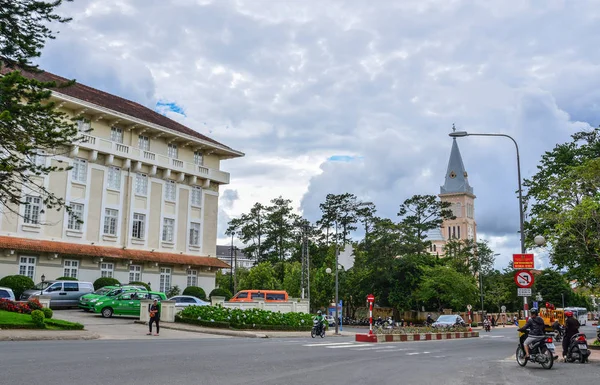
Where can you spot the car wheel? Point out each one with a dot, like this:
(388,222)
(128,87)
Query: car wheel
(107,312)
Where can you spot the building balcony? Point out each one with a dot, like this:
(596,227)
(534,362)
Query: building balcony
(155,161)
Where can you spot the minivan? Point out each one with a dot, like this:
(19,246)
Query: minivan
(265,295)
(61,293)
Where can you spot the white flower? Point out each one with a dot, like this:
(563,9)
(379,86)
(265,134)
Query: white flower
(212,320)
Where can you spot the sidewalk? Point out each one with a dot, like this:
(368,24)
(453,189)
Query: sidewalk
(242,333)
(45,335)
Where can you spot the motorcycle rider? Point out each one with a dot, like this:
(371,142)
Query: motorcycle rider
(429,319)
(572,328)
(535,325)
(320,318)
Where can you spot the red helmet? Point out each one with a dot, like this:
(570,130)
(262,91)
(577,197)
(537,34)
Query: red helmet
(569,313)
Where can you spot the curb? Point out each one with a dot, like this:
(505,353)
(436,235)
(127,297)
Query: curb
(50,337)
(218,332)
(379,338)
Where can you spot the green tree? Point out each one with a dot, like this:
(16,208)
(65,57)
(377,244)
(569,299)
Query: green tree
(446,288)
(496,292)
(252,231)
(564,204)
(340,213)
(261,277)
(420,214)
(552,286)
(291,282)
(280,229)
(469,257)
(31,127)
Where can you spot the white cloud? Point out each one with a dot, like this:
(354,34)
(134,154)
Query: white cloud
(293,83)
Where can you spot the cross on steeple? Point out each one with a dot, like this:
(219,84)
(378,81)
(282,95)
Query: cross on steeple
(453,128)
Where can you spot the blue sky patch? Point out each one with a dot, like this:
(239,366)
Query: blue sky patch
(344,158)
(163,107)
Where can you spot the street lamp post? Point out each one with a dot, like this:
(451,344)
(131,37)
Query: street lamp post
(459,134)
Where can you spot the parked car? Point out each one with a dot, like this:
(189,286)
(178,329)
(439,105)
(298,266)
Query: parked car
(86,302)
(7,293)
(449,320)
(182,301)
(265,295)
(330,320)
(126,303)
(61,293)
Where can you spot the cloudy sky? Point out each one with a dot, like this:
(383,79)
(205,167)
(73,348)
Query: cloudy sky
(351,96)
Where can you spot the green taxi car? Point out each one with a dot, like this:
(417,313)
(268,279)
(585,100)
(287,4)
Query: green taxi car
(87,301)
(127,303)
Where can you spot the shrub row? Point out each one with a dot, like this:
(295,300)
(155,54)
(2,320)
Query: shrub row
(65,325)
(20,307)
(249,318)
(18,284)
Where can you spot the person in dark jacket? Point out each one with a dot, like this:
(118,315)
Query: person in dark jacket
(571,328)
(535,326)
(154,311)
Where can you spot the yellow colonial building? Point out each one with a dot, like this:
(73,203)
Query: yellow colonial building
(144,187)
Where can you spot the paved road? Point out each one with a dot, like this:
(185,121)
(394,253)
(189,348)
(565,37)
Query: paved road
(161,361)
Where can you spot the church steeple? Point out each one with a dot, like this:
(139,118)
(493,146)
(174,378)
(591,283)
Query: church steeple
(457,180)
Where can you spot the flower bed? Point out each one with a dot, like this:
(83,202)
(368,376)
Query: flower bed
(220,317)
(16,320)
(20,307)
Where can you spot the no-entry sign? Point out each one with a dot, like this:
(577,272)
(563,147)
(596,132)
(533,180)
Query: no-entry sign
(523,261)
(524,279)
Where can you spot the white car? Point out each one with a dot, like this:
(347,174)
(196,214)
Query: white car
(183,301)
(7,293)
(330,320)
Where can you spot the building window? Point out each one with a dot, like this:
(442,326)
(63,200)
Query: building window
(38,158)
(139,223)
(116,134)
(33,206)
(107,270)
(168,229)
(83,125)
(192,278)
(194,234)
(70,268)
(111,216)
(196,196)
(141,184)
(172,151)
(170,190)
(144,143)
(27,266)
(198,157)
(165,279)
(114,178)
(75,217)
(79,171)
(135,273)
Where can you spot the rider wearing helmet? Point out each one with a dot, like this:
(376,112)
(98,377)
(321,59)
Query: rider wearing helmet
(571,328)
(320,317)
(535,326)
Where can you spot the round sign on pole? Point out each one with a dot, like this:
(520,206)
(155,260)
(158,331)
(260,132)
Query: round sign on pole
(503,308)
(524,279)
(469,307)
(371,298)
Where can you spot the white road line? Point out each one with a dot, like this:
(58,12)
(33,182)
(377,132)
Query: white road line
(426,352)
(392,350)
(412,354)
(331,344)
(347,346)
(377,348)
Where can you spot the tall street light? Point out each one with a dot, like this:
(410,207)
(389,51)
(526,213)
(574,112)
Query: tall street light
(460,134)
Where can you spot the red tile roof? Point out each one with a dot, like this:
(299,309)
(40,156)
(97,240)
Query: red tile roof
(113,102)
(80,249)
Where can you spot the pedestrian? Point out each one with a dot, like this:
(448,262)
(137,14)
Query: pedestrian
(154,311)
(571,328)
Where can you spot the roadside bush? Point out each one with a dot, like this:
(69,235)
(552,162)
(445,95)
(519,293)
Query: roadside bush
(37,316)
(105,281)
(18,284)
(48,313)
(195,291)
(139,283)
(15,307)
(221,292)
(173,291)
(247,319)
(34,304)
(64,325)
(66,279)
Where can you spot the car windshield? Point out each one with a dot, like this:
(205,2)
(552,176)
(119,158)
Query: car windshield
(447,318)
(102,291)
(42,285)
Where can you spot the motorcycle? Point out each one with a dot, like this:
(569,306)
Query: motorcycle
(486,327)
(541,351)
(578,349)
(318,329)
(560,333)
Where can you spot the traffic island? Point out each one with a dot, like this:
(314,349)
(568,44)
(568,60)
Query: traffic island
(410,337)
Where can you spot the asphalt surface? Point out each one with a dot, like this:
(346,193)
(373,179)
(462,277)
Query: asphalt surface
(160,361)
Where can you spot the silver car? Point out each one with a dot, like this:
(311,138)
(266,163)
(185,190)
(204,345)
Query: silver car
(183,301)
(61,293)
(7,293)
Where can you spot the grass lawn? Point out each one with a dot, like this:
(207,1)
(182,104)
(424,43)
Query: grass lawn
(11,320)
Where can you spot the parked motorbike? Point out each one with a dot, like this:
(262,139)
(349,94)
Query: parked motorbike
(541,351)
(578,349)
(318,329)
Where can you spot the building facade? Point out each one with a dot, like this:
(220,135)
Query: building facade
(144,192)
(459,193)
(236,259)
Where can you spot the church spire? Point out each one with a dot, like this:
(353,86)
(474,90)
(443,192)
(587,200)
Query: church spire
(457,180)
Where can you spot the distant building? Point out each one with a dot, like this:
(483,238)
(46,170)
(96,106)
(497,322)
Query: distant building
(459,193)
(237,259)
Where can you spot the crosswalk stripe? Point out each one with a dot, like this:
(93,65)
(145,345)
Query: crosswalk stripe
(376,348)
(331,344)
(347,346)
(412,354)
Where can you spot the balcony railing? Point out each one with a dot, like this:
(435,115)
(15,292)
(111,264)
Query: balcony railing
(150,158)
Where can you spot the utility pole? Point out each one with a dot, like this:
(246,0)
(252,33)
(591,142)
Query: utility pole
(305,278)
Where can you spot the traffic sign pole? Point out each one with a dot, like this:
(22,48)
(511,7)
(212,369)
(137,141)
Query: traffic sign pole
(371,299)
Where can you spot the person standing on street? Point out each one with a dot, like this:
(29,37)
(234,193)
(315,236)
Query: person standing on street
(154,311)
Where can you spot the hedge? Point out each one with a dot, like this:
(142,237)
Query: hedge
(105,281)
(66,279)
(195,291)
(221,292)
(226,325)
(216,324)
(64,325)
(18,284)
(139,283)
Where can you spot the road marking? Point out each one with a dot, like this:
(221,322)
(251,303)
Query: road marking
(377,348)
(392,350)
(347,346)
(412,354)
(331,344)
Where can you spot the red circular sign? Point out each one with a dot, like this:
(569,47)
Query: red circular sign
(524,279)
(371,298)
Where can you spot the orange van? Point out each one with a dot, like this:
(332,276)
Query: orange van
(265,295)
